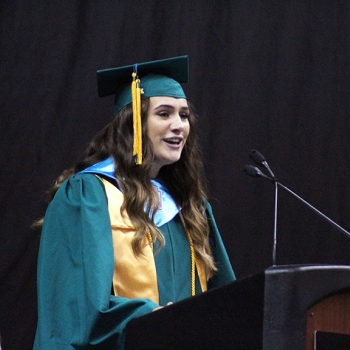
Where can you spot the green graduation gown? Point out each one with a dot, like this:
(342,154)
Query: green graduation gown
(76,308)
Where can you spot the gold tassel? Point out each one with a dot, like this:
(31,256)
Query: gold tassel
(136,111)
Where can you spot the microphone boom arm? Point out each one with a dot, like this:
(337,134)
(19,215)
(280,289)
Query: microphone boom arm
(315,210)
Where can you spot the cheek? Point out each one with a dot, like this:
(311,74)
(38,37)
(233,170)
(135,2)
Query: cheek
(153,128)
(150,131)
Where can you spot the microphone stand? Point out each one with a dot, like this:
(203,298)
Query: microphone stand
(273,179)
(255,172)
(334,224)
(274,249)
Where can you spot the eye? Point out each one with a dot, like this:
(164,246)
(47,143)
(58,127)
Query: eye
(184,115)
(163,114)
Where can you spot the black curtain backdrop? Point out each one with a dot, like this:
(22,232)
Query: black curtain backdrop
(270,75)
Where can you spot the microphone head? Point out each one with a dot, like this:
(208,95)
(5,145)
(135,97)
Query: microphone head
(257,157)
(251,170)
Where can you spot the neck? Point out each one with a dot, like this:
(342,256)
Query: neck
(154,172)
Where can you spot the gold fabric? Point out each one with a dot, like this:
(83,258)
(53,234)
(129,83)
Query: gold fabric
(134,277)
(202,275)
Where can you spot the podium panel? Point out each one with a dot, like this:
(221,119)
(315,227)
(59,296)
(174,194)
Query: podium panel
(328,321)
(268,311)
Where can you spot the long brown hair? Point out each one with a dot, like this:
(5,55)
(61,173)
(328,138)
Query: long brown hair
(184,180)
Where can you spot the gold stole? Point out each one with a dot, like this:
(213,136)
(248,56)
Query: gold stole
(133,277)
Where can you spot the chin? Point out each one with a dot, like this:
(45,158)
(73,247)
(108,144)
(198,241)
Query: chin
(167,159)
(170,161)
(174,160)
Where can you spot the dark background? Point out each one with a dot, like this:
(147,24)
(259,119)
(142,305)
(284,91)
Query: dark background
(270,75)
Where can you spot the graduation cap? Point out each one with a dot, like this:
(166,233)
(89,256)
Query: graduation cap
(154,78)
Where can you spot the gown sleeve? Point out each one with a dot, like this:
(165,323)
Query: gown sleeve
(225,272)
(75,268)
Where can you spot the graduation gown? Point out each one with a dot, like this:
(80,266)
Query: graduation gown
(76,305)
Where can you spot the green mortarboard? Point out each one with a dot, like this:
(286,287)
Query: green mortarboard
(157,78)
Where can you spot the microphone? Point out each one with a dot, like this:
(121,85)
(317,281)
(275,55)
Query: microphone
(259,159)
(251,170)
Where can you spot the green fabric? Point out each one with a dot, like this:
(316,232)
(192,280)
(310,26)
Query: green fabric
(152,85)
(174,265)
(111,79)
(75,269)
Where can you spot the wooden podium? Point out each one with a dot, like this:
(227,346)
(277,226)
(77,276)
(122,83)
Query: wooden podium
(288,307)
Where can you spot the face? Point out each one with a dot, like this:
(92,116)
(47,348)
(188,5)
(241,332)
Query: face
(167,128)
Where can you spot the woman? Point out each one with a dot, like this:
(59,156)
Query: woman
(128,229)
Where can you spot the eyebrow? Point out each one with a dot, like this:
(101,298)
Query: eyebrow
(171,107)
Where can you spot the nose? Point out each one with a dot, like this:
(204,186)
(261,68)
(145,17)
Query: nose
(177,123)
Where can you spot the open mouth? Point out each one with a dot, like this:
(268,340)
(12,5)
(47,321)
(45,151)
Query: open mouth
(173,141)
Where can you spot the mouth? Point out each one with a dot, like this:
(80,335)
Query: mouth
(173,141)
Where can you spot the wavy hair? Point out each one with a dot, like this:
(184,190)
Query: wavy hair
(184,179)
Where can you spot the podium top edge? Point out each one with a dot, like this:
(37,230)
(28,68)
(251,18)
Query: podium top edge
(306,267)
